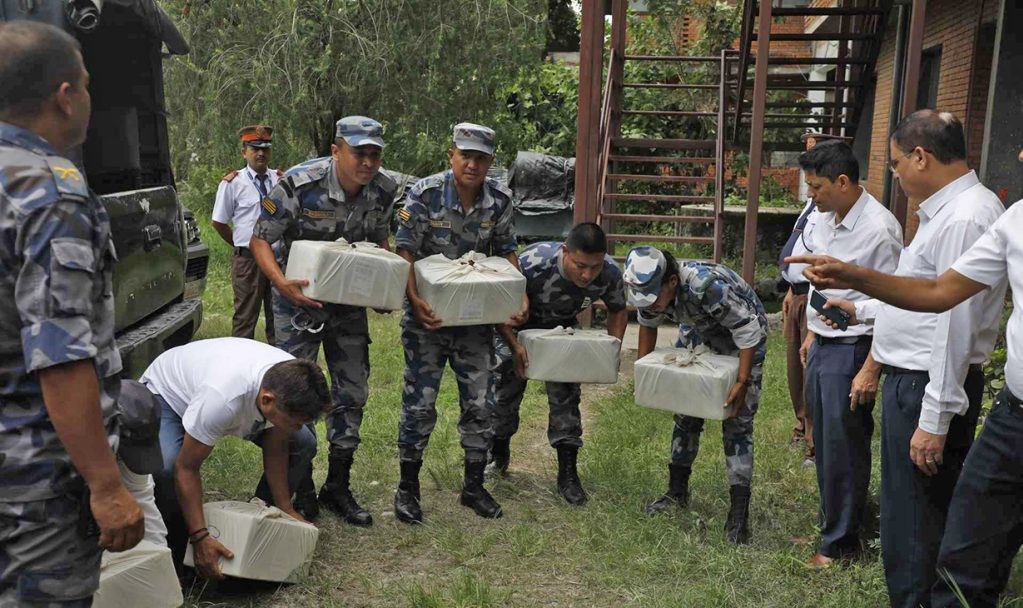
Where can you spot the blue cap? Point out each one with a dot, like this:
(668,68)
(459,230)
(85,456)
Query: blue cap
(360,131)
(644,272)
(468,136)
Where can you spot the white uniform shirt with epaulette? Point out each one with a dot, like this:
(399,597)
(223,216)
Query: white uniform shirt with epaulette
(238,199)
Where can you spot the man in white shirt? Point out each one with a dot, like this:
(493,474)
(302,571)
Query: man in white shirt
(934,383)
(235,212)
(854,227)
(211,389)
(982,535)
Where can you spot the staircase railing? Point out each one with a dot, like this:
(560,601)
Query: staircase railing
(611,104)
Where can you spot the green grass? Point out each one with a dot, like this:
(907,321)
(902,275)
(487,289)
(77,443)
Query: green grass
(543,552)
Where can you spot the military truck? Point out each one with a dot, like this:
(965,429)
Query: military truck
(160,275)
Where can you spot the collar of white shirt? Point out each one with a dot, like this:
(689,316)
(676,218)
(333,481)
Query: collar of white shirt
(935,202)
(850,219)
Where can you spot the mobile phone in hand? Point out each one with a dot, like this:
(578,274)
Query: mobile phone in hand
(835,315)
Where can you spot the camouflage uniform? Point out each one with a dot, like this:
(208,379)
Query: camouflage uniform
(433,222)
(309,204)
(715,307)
(553,301)
(56,307)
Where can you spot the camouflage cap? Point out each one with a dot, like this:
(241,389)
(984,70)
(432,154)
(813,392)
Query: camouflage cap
(360,131)
(644,271)
(468,136)
(257,136)
(139,413)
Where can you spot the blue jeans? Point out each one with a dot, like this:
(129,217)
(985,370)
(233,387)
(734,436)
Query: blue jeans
(301,450)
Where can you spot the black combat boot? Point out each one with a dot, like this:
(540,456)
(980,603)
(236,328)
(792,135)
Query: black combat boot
(335,493)
(474,495)
(737,526)
(305,497)
(569,486)
(406,499)
(500,456)
(678,490)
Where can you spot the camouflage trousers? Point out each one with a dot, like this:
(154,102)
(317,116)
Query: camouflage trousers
(469,350)
(44,559)
(344,333)
(564,423)
(736,433)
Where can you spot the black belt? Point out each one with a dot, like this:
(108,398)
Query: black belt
(844,339)
(891,369)
(800,289)
(243,251)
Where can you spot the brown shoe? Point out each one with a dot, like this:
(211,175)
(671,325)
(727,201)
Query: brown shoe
(819,561)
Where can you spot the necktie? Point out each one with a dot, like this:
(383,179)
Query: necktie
(261,184)
(790,244)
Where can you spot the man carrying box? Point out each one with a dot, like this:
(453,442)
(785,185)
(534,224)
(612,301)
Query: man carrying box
(562,280)
(451,213)
(715,307)
(341,196)
(211,389)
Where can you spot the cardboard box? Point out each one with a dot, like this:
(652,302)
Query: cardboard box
(471,290)
(268,545)
(571,355)
(356,274)
(693,382)
(141,577)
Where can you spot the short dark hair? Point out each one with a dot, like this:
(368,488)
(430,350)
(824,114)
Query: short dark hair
(829,159)
(940,133)
(35,59)
(587,238)
(300,388)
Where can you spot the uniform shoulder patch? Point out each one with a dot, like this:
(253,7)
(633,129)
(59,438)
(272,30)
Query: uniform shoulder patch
(269,206)
(69,180)
(280,173)
(404,214)
(230,176)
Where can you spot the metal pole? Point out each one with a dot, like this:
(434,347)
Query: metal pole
(591,59)
(756,147)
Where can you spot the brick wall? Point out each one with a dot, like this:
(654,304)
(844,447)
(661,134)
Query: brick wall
(952,25)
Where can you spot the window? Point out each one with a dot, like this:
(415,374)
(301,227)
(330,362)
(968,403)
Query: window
(927,89)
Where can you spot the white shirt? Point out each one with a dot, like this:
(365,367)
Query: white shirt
(213,385)
(868,236)
(998,255)
(944,345)
(238,202)
(794,273)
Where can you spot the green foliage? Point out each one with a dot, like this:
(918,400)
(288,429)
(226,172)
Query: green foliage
(562,26)
(418,66)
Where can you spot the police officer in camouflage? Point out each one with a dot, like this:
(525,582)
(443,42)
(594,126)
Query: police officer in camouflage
(59,364)
(341,196)
(715,307)
(451,213)
(562,280)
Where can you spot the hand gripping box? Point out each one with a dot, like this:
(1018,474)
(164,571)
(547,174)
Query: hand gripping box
(694,382)
(356,274)
(141,576)
(471,290)
(570,355)
(268,545)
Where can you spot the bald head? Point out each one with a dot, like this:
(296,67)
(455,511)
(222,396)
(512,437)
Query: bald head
(939,133)
(35,59)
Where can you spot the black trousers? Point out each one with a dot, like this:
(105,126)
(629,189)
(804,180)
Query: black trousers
(985,519)
(842,439)
(913,505)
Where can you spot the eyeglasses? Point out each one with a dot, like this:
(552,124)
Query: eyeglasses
(893,164)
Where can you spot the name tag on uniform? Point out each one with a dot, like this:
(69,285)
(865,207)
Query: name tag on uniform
(439,224)
(485,225)
(318,215)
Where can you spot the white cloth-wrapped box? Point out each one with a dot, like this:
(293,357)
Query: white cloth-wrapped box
(142,576)
(694,382)
(268,545)
(356,274)
(571,355)
(471,290)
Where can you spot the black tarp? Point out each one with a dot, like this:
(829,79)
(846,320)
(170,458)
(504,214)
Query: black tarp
(542,184)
